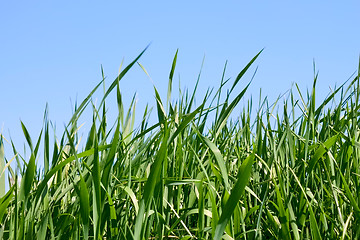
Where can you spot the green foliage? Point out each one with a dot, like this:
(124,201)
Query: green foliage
(210,171)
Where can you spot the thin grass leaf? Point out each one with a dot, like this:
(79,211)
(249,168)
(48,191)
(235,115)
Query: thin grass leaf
(346,225)
(284,219)
(321,151)
(110,157)
(241,74)
(113,219)
(28,178)
(41,234)
(219,159)
(133,198)
(236,193)
(27,136)
(315,232)
(349,193)
(185,122)
(4,202)
(96,189)
(160,107)
(226,111)
(171,75)
(149,188)
(84,206)
(2,168)
(121,75)
(46,145)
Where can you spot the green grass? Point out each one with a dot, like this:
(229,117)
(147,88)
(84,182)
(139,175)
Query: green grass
(200,172)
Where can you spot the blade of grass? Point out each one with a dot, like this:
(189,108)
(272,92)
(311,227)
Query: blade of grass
(150,184)
(236,193)
(4,202)
(121,75)
(241,74)
(315,232)
(27,136)
(219,159)
(2,168)
(171,75)
(226,111)
(28,178)
(84,206)
(96,189)
(321,151)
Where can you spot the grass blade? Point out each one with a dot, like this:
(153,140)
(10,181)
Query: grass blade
(241,74)
(96,189)
(84,206)
(321,151)
(171,75)
(236,193)
(2,168)
(27,180)
(220,160)
(121,75)
(150,186)
(4,202)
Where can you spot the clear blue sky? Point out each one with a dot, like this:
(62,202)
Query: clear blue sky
(51,51)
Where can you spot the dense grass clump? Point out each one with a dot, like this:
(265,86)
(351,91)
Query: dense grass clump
(198,173)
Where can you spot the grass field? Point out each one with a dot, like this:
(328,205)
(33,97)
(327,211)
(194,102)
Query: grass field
(200,172)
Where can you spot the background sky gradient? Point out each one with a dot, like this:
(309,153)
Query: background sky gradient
(52,51)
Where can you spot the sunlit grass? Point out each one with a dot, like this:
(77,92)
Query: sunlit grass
(200,172)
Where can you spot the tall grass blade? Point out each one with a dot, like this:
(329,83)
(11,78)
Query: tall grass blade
(121,75)
(28,178)
(27,136)
(2,168)
(149,188)
(171,75)
(96,187)
(160,108)
(84,206)
(4,202)
(321,151)
(220,161)
(241,74)
(236,193)
(226,111)
(187,119)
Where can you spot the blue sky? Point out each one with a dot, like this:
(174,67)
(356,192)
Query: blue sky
(51,51)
